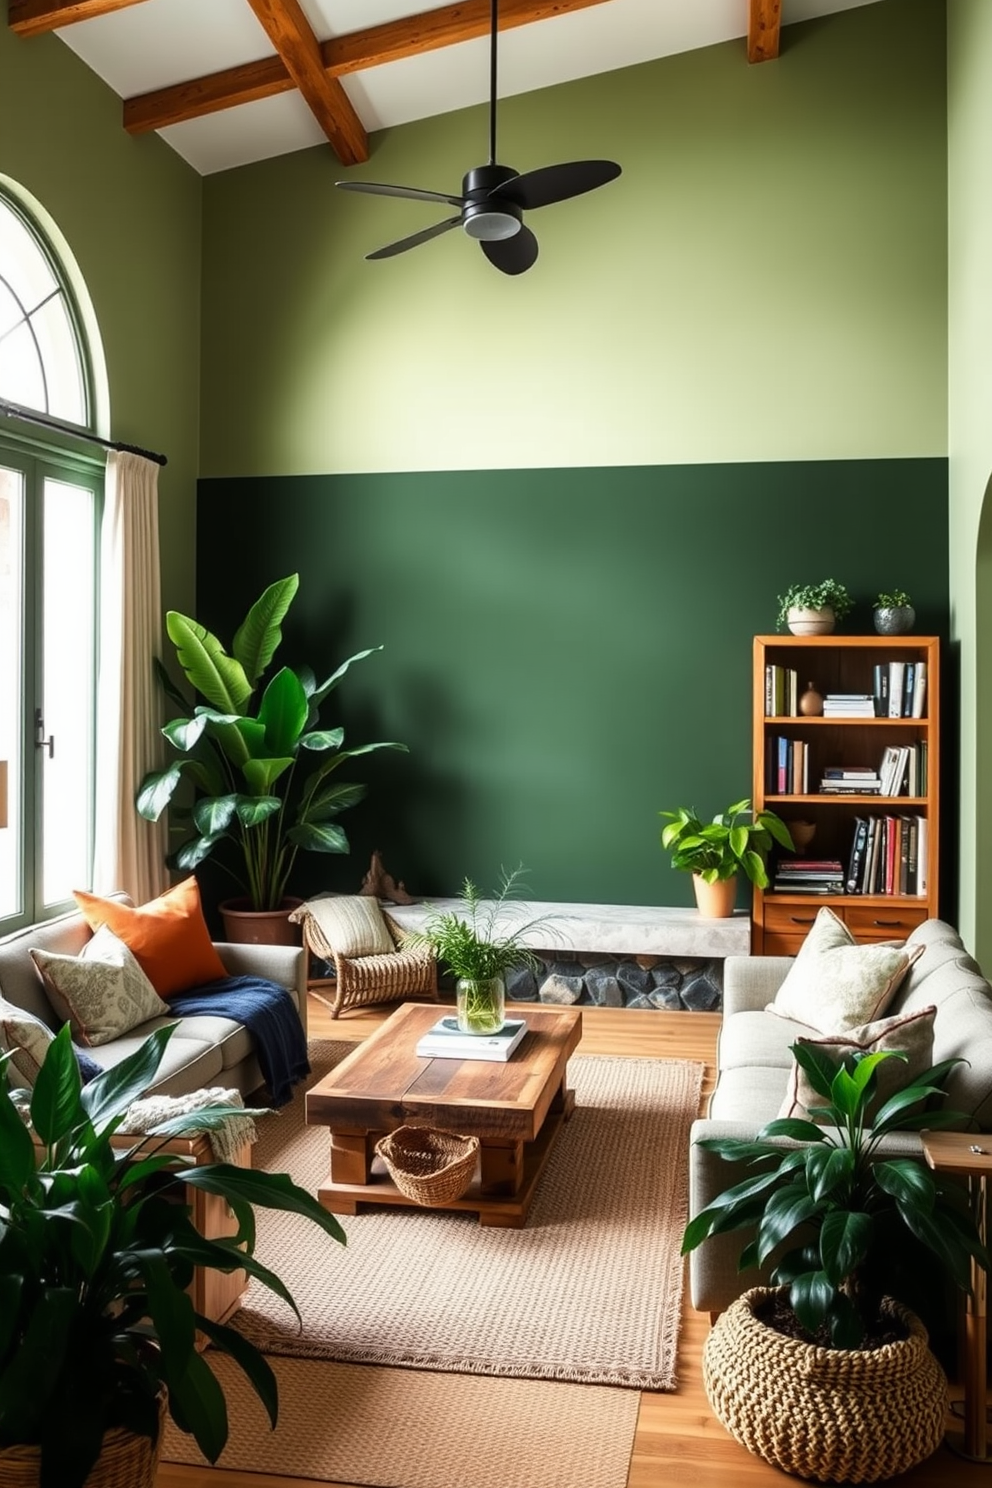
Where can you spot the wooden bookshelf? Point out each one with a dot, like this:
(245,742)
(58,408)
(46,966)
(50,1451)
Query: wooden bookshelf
(844,664)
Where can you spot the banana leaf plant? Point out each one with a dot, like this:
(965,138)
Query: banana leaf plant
(97,1250)
(846,1205)
(244,764)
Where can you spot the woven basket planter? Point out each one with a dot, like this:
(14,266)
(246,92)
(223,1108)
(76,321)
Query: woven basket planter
(834,1415)
(125,1461)
(428,1165)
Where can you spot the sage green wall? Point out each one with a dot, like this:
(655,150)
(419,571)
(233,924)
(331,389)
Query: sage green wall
(566,652)
(765,281)
(970,399)
(129,210)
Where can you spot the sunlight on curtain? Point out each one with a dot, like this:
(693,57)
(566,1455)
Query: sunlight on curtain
(130,852)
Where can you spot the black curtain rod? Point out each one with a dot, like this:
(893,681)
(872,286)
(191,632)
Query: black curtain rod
(13,410)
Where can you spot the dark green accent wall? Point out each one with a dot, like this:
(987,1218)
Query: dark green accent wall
(566,652)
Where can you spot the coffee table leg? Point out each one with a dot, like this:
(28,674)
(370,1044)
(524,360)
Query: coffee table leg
(501,1168)
(351,1156)
(564,1101)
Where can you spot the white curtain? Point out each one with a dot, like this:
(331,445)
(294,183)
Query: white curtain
(130,852)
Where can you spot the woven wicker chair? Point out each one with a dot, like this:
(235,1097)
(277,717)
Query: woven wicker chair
(358,981)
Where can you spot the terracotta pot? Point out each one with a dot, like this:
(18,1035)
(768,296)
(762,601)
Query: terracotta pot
(802,621)
(246,926)
(715,901)
(834,1415)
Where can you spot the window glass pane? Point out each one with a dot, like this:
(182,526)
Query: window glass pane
(67,648)
(11,683)
(60,357)
(25,267)
(21,378)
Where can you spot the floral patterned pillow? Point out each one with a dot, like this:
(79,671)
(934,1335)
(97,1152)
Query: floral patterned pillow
(101,993)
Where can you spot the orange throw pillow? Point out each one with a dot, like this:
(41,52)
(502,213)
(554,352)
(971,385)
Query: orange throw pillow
(168,937)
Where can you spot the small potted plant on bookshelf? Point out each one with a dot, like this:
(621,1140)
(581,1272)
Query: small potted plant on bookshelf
(813,609)
(478,946)
(893,613)
(716,852)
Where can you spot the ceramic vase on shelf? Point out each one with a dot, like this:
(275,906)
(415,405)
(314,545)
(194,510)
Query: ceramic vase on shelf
(811,702)
(480,1005)
(894,619)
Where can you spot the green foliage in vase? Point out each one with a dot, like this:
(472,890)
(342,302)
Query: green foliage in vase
(827,594)
(97,1250)
(244,763)
(728,845)
(850,1207)
(897,600)
(470,941)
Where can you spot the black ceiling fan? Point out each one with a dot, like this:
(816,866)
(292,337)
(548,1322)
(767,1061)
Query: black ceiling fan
(494,197)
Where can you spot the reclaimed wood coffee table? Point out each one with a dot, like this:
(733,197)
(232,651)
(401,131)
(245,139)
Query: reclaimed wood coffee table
(515,1108)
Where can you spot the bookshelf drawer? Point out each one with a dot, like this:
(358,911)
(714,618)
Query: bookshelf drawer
(870,923)
(792,919)
(776,943)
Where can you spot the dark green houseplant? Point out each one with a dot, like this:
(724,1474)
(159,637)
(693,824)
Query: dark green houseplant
(843,1203)
(95,1259)
(264,773)
(827,1374)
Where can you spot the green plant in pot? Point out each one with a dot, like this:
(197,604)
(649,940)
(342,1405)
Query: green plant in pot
(813,609)
(737,841)
(893,614)
(479,944)
(264,774)
(826,1345)
(97,1328)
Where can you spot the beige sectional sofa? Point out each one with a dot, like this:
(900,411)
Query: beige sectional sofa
(754,1063)
(204,1051)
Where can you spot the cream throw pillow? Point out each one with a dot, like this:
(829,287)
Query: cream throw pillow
(101,993)
(25,1038)
(907,1033)
(835,984)
(352,924)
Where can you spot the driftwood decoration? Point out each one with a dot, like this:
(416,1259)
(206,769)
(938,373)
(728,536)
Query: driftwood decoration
(382,885)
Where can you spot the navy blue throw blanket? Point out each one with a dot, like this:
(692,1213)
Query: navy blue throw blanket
(267,1011)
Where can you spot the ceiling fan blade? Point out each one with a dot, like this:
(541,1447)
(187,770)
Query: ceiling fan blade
(554,183)
(412,193)
(414,239)
(512,255)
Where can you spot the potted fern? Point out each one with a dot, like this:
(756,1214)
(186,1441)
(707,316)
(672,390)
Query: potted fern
(98,1331)
(824,1374)
(813,609)
(478,946)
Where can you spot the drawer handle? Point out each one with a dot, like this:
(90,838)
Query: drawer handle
(801,919)
(888,924)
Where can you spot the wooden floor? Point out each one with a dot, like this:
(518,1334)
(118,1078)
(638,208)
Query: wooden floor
(678,1441)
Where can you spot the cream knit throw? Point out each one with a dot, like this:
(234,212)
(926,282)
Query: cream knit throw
(225,1142)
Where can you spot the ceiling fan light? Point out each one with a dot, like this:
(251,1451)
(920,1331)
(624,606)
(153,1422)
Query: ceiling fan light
(490,225)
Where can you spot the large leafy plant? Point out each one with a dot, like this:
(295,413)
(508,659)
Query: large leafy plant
(97,1250)
(847,1207)
(244,763)
(735,841)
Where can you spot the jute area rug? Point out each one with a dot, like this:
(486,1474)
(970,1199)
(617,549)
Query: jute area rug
(587,1295)
(589,1290)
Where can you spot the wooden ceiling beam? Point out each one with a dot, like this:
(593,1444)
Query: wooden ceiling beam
(33,17)
(341,55)
(289,32)
(764,25)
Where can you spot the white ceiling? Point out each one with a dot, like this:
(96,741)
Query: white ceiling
(160,42)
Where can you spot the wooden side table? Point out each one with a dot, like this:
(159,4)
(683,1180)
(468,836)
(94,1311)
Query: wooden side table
(969,1155)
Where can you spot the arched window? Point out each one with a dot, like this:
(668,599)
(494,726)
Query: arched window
(42,357)
(50,502)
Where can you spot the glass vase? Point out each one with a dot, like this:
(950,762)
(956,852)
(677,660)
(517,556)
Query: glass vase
(479,1005)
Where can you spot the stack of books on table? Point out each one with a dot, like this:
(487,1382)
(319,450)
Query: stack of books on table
(849,705)
(445,1040)
(809,876)
(850,780)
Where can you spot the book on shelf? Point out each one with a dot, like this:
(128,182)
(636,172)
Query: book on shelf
(897,671)
(445,1040)
(922,860)
(881,699)
(781,691)
(866,786)
(849,705)
(855,866)
(918,708)
(908,684)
